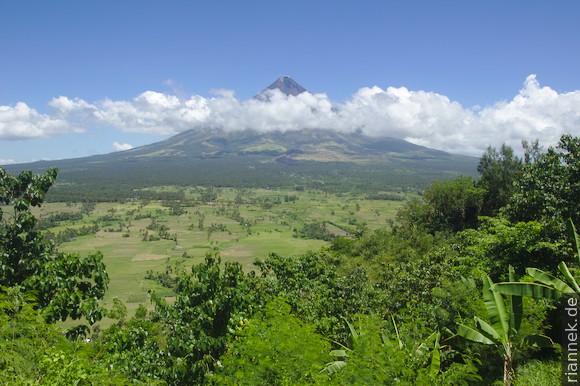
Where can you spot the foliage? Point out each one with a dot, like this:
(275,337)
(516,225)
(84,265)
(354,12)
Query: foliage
(549,188)
(451,206)
(316,292)
(498,170)
(314,230)
(378,356)
(546,285)
(535,372)
(69,234)
(180,342)
(66,284)
(413,271)
(456,203)
(505,322)
(499,243)
(273,348)
(134,348)
(373,308)
(56,218)
(34,352)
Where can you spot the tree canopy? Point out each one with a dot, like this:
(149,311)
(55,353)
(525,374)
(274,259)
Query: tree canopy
(64,284)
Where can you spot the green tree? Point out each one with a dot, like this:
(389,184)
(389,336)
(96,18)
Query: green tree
(316,292)
(549,188)
(545,285)
(36,353)
(451,205)
(457,203)
(498,243)
(66,284)
(274,348)
(498,170)
(181,341)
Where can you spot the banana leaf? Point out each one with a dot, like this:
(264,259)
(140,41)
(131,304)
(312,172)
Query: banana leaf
(571,279)
(549,280)
(487,329)
(537,340)
(534,290)
(496,309)
(473,335)
(516,305)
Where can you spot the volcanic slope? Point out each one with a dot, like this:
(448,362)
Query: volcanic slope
(308,158)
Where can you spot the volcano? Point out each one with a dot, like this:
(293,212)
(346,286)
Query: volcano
(285,84)
(251,158)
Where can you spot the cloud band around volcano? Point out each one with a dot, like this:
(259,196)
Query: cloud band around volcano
(425,118)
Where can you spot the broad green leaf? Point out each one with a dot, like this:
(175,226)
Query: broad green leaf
(473,335)
(489,330)
(435,365)
(533,290)
(431,340)
(516,305)
(353,332)
(470,283)
(537,340)
(333,367)
(496,309)
(571,280)
(549,280)
(339,353)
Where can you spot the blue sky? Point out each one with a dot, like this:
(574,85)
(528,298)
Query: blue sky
(87,77)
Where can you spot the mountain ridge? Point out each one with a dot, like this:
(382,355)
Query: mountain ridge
(319,158)
(321,145)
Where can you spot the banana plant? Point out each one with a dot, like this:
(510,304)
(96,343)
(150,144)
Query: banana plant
(429,347)
(545,285)
(342,354)
(505,321)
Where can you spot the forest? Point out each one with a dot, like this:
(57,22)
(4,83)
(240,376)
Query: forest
(472,282)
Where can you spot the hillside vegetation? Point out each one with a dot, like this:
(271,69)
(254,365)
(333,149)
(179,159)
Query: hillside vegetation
(461,284)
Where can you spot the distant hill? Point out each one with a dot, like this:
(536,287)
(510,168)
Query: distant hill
(320,145)
(309,158)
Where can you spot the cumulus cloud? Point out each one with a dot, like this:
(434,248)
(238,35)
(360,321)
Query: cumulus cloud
(23,122)
(120,146)
(422,117)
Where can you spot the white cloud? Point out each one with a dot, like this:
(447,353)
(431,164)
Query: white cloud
(23,122)
(120,146)
(422,117)
(153,113)
(536,112)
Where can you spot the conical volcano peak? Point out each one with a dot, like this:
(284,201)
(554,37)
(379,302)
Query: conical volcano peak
(284,84)
(287,85)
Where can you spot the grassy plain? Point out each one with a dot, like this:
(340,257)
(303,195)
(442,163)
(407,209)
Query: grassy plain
(138,236)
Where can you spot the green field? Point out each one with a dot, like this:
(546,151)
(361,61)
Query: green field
(137,236)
